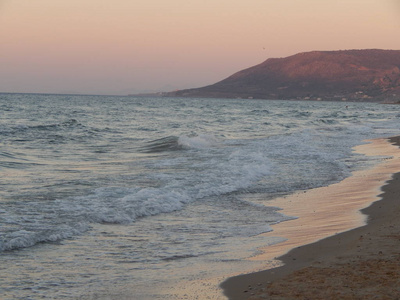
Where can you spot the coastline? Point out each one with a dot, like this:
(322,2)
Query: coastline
(358,263)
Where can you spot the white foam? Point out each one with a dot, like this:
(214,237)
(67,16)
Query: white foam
(198,141)
(228,170)
(24,238)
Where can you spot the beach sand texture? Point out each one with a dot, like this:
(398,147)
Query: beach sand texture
(361,263)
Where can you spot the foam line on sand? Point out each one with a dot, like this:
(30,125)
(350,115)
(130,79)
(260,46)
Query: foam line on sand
(333,250)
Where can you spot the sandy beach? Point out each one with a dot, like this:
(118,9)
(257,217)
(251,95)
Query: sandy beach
(359,263)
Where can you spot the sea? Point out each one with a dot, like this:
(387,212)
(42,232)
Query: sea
(124,197)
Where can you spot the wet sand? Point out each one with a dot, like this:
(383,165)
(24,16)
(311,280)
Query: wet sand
(360,263)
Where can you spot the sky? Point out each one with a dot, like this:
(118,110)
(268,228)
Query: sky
(132,46)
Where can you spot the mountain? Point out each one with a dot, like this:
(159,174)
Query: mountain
(354,75)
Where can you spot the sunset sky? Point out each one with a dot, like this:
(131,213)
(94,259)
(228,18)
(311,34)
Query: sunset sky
(129,46)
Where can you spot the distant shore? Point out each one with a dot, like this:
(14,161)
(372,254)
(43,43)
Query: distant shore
(362,263)
(361,75)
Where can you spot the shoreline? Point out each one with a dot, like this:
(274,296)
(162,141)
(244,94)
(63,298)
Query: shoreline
(324,268)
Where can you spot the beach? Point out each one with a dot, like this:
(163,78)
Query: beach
(169,197)
(361,263)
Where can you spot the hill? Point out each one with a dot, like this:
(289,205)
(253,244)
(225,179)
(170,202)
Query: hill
(354,75)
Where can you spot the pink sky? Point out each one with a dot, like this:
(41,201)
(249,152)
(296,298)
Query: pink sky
(125,46)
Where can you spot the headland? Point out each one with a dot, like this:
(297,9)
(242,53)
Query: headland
(368,75)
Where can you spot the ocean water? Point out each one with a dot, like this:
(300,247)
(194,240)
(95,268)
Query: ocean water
(107,197)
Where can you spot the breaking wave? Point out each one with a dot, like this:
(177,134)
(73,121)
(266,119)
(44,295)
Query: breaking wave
(176,143)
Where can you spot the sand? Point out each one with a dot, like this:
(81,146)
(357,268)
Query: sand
(360,263)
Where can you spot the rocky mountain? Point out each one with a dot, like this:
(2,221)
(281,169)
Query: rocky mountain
(353,75)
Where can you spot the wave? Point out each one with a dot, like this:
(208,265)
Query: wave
(201,141)
(71,123)
(206,176)
(9,155)
(67,218)
(66,131)
(208,167)
(268,151)
(27,238)
(175,143)
(14,161)
(170,143)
